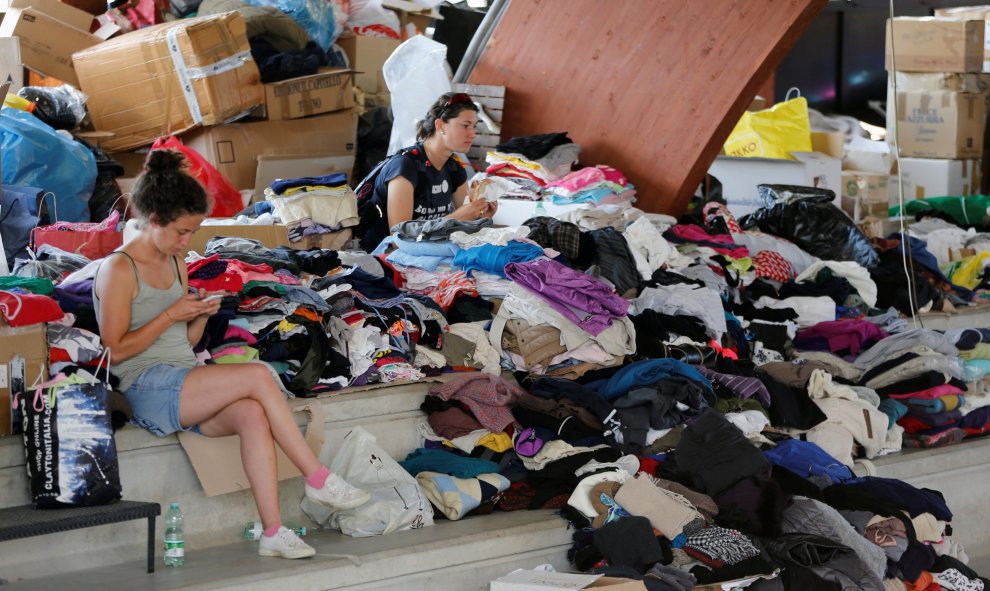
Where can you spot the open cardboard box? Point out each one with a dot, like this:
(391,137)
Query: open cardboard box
(740,177)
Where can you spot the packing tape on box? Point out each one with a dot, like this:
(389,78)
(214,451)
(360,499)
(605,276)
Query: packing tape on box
(187,75)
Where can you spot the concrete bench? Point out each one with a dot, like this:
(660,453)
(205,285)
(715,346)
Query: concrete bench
(26,521)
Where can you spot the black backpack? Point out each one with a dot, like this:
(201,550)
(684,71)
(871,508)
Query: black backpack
(370,213)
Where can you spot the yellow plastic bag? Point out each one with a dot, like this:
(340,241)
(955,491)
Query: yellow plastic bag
(773,132)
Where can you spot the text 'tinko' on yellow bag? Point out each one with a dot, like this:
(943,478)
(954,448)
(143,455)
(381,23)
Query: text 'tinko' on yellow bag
(773,132)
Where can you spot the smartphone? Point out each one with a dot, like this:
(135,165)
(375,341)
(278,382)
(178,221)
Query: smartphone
(211,297)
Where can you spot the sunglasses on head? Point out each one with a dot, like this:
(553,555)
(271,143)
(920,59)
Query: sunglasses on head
(455,99)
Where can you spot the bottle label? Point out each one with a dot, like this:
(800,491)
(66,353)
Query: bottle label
(175,549)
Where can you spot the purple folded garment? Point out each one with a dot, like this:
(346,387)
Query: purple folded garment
(581,298)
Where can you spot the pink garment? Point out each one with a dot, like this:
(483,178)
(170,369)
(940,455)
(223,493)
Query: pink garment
(613,175)
(107,225)
(507,170)
(239,333)
(488,397)
(931,393)
(714,210)
(229,351)
(579,180)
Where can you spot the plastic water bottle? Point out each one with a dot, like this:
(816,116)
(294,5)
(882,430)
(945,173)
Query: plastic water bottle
(539,210)
(175,537)
(254,529)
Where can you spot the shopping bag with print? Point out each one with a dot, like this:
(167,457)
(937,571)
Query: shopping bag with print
(69,448)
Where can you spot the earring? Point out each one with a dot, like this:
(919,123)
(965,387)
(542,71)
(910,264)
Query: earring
(442,132)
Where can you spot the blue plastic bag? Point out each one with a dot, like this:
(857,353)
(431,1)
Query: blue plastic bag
(36,155)
(18,216)
(314,16)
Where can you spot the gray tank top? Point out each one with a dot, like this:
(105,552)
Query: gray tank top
(171,348)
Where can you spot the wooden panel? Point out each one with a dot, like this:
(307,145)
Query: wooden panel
(652,87)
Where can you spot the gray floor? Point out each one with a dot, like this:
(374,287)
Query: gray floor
(239,565)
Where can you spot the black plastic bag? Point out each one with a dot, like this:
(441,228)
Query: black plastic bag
(806,217)
(62,107)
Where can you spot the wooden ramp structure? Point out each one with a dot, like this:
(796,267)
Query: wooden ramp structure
(652,87)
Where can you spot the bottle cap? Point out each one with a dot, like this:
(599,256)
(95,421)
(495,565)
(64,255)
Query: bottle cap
(173,506)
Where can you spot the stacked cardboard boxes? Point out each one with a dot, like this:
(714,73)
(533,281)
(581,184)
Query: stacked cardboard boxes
(939,97)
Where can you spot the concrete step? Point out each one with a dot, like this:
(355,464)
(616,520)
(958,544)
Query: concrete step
(157,469)
(962,474)
(450,556)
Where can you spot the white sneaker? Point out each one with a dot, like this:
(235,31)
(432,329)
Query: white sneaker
(285,544)
(337,493)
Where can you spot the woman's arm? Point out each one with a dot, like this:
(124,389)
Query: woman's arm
(400,201)
(116,287)
(196,326)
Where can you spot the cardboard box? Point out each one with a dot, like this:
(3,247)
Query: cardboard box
(976,13)
(270,236)
(865,194)
(832,144)
(271,168)
(869,187)
(49,33)
(11,66)
(234,148)
(931,44)
(22,349)
(925,177)
(537,580)
(935,81)
(367,55)
(740,177)
(138,87)
(324,92)
(940,124)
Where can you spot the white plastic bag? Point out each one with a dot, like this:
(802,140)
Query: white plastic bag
(397,502)
(416,75)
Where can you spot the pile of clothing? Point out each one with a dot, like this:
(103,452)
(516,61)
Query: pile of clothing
(691,394)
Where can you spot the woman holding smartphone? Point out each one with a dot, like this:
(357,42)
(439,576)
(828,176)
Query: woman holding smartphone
(150,322)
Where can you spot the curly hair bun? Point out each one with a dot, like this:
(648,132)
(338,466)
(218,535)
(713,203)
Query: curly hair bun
(164,161)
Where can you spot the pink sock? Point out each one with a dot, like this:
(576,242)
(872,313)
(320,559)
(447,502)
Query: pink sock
(318,478)
(271,531)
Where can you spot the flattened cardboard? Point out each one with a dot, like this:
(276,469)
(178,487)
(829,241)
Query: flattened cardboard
(537,580)
(30,343)
(233,149)
(270,236)
(217,460)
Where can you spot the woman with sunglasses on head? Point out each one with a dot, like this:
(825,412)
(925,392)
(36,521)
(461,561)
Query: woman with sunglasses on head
(426,181)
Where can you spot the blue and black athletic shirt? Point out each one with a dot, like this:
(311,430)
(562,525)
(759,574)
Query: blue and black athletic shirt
(433,191)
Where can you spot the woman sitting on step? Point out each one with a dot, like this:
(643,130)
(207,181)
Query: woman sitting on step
(150,321)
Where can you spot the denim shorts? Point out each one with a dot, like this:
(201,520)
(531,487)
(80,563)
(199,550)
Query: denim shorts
(154,399)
